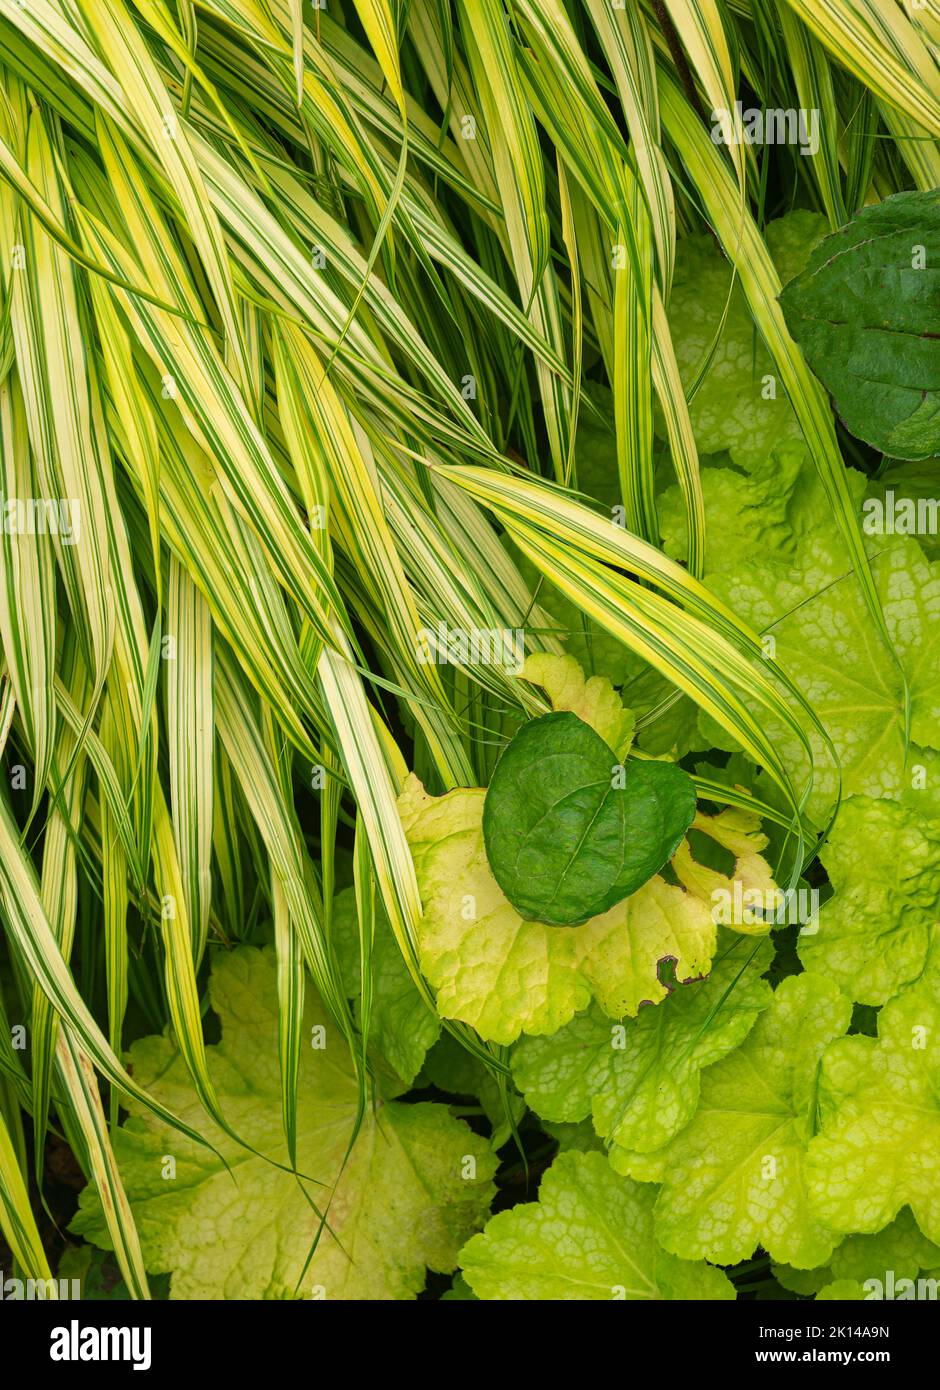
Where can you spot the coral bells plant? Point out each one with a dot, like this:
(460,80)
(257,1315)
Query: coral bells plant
(469,650)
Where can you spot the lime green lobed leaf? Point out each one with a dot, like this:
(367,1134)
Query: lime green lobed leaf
(841,1291)
(591,698)
(640,1080)
(903,500)
(459,1292)
(740,405)
(581,1136)
(900,1251)
(879,1145)
(588,1237)
(802,1281)
(877,931)
(407,1199)
(795,584)
(901,1247)
(734,1177)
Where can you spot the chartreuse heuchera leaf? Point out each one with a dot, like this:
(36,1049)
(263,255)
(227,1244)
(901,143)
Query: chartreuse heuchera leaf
(593,698)
(640,1080)
(803,596)
(842,1291)
(568,830)
(589,1236)
(899,1252)
(876,932)
(902,501)
(739,406)
(734,1178)
(901,1247)
(865,312)
(878,1148)
(407,1199)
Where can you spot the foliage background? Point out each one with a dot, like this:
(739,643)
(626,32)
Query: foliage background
(332,325)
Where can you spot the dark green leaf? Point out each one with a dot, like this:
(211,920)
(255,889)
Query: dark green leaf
(568,831)
(866,312)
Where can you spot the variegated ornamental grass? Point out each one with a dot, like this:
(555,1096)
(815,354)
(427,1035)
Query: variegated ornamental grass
(327,328)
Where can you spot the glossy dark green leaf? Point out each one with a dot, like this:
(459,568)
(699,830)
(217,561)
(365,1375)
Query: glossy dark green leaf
(568,830)
(866,313)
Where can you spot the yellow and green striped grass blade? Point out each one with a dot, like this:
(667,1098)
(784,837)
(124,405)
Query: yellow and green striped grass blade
(125,51)
(324,444)
(59,891)
(364,887)
(191,738)
(249,743)
(672,397)
(519,171)
(35,943)
(699,26)
(375,780)
(290,1008)
(81,1088)
(27,595)
(814,86)
(16,1215)
(916,144)
(624,36)
(222,425)
(600,160)
(844,28)
(633,382)
(51,337)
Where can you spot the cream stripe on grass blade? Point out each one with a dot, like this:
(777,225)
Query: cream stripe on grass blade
(191,737)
